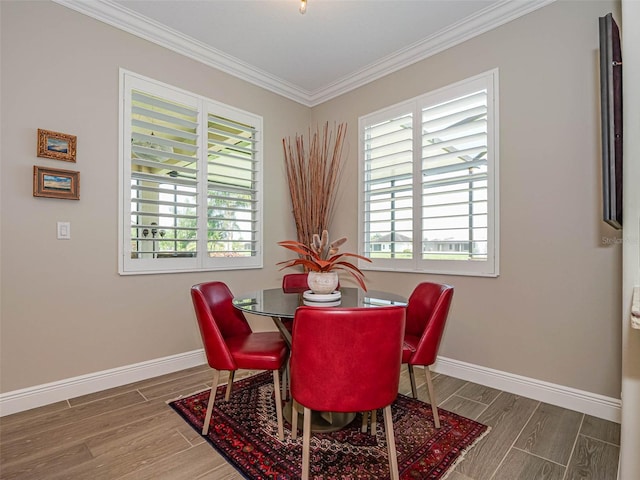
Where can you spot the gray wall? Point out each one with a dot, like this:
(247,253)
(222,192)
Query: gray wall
(65,309)
(553,314)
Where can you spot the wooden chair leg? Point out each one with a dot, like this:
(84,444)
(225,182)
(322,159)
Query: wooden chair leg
(284,384)
(412,378)
(374,422)
(276,388)
(432,397)
(285,381)
(227,395)
(391,444)
(306,443)
(365,420)
(294,419)
(212,399)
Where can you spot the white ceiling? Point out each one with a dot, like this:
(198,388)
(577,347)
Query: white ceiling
(335,47)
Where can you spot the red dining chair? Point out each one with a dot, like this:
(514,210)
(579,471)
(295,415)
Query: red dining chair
(346,360)
(427,312)
(230,344)
(294,283)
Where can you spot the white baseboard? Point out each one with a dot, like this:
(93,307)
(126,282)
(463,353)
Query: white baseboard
(32,397)
(566,397)
(590,403)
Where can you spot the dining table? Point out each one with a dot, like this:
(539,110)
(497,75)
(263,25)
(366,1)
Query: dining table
(281,306)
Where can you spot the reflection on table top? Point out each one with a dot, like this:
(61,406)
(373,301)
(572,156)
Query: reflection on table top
(275,303)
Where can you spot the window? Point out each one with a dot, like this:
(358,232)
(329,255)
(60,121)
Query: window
(429,175)
(190,181)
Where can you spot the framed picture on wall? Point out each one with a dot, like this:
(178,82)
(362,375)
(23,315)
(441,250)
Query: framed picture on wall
(56,145)
(56,183)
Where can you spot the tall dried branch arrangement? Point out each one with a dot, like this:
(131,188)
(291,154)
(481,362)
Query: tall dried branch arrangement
(313,175)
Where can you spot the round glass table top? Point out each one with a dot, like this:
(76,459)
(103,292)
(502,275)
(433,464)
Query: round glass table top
(274,302)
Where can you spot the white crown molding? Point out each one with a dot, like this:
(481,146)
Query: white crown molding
(129,21)
(117,16)
(485,20)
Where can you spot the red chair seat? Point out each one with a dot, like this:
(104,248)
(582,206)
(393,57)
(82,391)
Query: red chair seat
(409,347)
(258,351)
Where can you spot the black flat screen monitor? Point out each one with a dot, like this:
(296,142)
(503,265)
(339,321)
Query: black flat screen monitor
(611,120)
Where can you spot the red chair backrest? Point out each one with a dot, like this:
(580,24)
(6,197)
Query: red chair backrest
(427,312)
(295,283)
(218,319)
(346,359)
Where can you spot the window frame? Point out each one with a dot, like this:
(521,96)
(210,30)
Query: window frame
(414,106)
(130,81)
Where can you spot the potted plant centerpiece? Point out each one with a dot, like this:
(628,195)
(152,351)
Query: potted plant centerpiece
(322,260)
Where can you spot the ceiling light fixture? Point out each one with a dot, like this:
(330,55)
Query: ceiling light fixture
(303,6)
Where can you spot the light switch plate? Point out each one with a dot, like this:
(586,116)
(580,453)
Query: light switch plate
(64,231)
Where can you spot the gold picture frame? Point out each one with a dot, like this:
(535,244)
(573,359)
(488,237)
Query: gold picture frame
(56,145)
(56,183)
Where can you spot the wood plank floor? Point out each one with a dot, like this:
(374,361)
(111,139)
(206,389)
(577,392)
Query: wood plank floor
(129,433)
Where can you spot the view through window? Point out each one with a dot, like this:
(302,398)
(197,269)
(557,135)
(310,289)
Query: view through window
(192,170)
(429,182)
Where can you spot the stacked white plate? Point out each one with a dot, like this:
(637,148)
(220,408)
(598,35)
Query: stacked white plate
(321,300)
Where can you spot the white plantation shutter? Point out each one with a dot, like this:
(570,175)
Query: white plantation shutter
(232,195)
(388,186)
(164,156)
(429,197)
(454,173)
(190,181)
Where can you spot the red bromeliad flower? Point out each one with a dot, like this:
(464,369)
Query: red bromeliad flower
(322,256)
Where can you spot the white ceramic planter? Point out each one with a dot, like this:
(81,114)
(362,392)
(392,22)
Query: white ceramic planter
(322,282)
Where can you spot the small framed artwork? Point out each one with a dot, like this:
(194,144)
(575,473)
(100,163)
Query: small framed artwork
(58,146)
(56,183)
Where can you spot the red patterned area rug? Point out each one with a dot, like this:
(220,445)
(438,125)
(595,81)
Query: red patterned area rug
(244,431)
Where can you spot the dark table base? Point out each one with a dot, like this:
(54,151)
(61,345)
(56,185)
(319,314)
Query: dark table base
(321,421)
